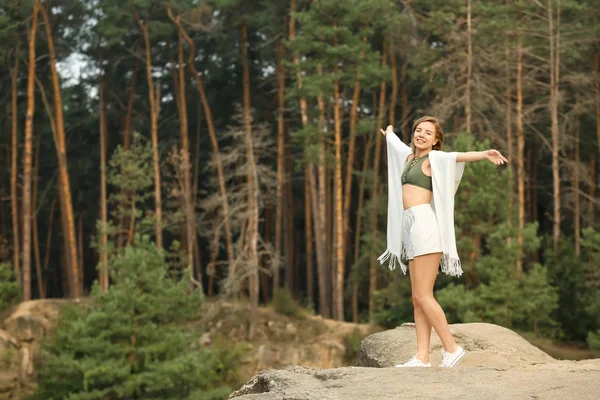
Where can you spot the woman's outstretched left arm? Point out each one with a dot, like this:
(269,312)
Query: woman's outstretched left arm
(493,156)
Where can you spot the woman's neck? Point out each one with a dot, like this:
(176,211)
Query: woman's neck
(421,153)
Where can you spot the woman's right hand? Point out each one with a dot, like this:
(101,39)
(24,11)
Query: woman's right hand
(389,129)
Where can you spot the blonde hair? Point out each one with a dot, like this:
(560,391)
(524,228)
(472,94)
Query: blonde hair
(439,132)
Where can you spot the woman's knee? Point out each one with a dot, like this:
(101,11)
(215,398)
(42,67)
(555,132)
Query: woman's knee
(419,298)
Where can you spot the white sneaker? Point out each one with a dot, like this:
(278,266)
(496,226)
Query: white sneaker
(450,360)
(414,362)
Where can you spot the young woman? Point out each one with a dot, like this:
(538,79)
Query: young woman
(422,181)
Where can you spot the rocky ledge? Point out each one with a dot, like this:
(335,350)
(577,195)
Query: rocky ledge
(499,365)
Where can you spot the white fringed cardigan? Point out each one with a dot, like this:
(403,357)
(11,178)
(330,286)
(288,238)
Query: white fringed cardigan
(446,174)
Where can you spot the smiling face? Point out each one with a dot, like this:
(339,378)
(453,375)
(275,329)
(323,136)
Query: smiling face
(427,134)
(424,136)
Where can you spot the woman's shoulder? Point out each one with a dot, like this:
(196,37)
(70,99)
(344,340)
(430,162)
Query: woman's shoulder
(442,153)
(438,154)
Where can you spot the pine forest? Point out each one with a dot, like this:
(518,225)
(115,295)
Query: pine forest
(158,154)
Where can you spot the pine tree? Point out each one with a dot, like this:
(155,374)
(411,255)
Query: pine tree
(133,341)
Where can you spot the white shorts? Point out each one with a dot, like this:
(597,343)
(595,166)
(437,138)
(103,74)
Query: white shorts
(420,233)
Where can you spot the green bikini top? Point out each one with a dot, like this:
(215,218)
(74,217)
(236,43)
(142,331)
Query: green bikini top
(413,174)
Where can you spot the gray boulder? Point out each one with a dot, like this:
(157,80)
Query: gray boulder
(486,345)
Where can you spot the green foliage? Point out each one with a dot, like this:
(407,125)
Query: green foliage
(284,303)
(132,342)
(593,340)
(352,343)
(568,273)
(393,304)
(482,197)
(10,292)
(590,242)
(9,355)
(539,299)
(499,296)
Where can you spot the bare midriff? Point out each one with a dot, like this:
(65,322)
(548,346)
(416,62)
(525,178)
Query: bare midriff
(413,195)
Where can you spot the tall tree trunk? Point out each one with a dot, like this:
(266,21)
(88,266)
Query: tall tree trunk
(394,94)
(80,248)
(358,230)
(14,171)
(154,98)
(48,245)
(340,259)
(509,131)
(468,110)
(104,279)
(191,237)
(27,156)
(197,256)
(225,210)
(340,256)
(214,253)
(349,172)
(520,154)
(252,234)
(404,98)
(76,289)
(288,224)
(197,153)
(321,225)
(554,84)
(309,243)
(280,163)
(373,264)
(265,289)
(36,239)
(288,220)
(309,175)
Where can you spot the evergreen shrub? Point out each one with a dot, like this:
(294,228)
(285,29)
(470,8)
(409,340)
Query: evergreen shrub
(10,292)
(284,303)
(352,343)
(134,341)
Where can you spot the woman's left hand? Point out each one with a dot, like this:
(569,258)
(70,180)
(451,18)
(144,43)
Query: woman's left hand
(494,156)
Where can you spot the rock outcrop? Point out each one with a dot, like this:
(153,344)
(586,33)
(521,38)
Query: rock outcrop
(279,340)
(567,380)
(486,344)
(9,365)
(20,341)
(499,364)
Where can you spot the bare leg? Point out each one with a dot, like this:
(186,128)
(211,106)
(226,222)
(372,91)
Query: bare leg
(424,272)
(422,325)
